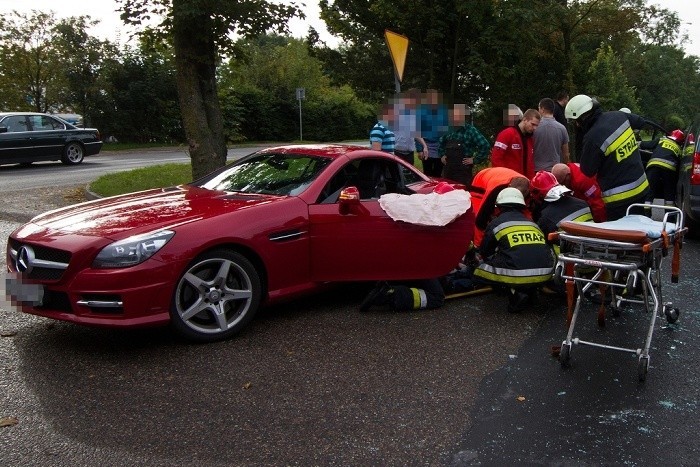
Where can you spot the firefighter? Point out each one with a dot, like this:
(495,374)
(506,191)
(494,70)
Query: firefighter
(515,252)
(486,185)
(554,203)
(551,204)
(609,150)
(662,168)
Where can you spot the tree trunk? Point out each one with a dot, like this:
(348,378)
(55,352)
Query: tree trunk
(195,63)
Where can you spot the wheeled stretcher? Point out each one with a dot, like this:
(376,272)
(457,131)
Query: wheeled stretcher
(624,258)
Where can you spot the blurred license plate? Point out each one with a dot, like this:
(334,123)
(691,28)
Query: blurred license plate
(31,294)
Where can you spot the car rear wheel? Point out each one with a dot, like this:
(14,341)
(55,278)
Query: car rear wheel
(73,154)
(216,296)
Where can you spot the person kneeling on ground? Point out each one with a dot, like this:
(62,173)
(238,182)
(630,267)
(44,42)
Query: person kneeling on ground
(515,251)
(414,295)
(552,204)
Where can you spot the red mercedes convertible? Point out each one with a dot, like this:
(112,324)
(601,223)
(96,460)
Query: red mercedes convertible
(207,255)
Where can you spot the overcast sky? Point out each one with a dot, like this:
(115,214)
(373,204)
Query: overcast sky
(110,24)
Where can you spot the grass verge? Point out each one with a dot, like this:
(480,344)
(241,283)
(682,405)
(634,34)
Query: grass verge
(142,179)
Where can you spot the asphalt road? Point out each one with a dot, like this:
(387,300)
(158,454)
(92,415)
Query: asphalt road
(315,382)
(44,174)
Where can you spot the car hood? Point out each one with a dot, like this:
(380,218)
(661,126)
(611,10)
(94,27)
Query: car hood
(145,211)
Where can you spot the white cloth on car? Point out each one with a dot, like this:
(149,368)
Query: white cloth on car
(429,209)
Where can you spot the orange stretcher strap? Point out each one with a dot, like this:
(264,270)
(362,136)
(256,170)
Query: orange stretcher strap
(676,260)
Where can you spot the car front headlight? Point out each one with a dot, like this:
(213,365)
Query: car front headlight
(133,250)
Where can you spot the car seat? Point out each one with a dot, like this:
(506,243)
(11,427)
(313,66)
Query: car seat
(370,179)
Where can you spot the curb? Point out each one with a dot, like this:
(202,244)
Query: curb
(90,195)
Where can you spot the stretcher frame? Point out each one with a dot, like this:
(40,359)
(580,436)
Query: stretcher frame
(623,261)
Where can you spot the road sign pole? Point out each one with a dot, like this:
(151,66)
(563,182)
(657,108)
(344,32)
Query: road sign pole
(301,137)
(301,94)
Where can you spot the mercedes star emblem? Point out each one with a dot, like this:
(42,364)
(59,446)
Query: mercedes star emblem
(25,259)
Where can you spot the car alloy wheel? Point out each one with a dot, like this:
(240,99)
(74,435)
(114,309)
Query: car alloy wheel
(73,154)
(216,296)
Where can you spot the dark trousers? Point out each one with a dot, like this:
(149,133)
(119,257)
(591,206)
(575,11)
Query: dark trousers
(409,296)
(458,172)
(662,184)
(405,155)
(432,167)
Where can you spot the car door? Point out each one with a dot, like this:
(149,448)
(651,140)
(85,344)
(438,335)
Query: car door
(366,244)
(14,142)
(688,187)
(47,136)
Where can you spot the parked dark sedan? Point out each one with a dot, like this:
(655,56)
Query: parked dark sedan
(688,193)
(27,137)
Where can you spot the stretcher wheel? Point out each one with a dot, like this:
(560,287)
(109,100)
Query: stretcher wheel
(565,353)
(643,367)
(671,314)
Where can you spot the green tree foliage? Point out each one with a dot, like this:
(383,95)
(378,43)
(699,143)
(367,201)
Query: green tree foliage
(141,103)
(31,73)
(491,53)
(51,66)
(83,57)
(446,51)
(259,87)
(201,32)
(609,83)
(667,84)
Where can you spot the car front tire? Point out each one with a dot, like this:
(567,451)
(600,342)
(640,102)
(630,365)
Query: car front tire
(73,154)
(217,296)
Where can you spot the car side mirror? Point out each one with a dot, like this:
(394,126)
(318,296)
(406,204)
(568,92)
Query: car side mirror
(3,129)
(349,200)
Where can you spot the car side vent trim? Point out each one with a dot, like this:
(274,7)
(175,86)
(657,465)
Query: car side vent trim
(286,236)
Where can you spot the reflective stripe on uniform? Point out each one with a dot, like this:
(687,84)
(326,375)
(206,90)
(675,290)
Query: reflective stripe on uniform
(581,215)
(513,276)
(630,190)
(663,163)
(622,142)
(419,299)
(671,146)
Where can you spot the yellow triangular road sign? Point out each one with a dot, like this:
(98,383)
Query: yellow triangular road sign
(398,47)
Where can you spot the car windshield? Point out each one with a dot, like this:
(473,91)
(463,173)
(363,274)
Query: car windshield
(270,173)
